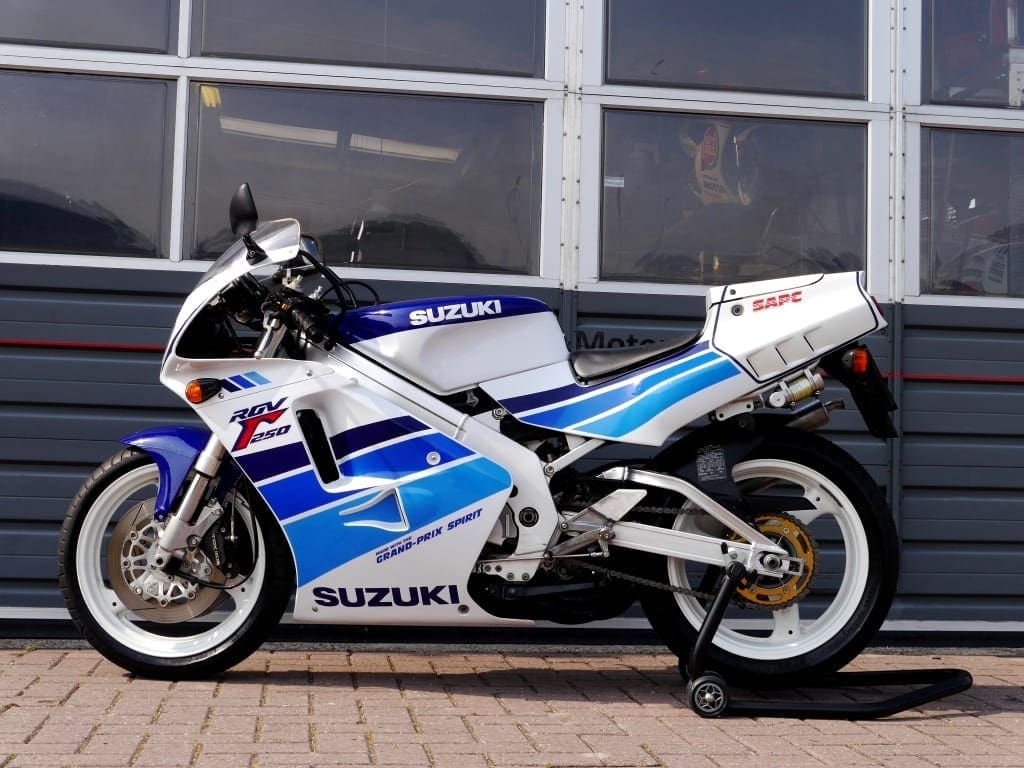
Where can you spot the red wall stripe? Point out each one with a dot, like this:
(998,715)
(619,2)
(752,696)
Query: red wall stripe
(81,345)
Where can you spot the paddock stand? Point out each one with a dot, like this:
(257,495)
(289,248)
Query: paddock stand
(709,695)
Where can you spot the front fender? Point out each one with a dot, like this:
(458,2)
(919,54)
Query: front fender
(174,449)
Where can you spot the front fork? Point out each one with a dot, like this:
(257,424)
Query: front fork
(189,523)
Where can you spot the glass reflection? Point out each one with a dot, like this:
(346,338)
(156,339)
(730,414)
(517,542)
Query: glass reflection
(484,36)
(972,209)
(704,199)
(382,179)
(83,164)
(974,52)
(126,25)
(800,46)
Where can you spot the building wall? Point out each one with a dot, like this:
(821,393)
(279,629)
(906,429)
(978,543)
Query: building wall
(612,158)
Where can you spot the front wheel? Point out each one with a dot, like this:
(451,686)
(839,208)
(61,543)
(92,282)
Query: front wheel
(818,503)
(193,620)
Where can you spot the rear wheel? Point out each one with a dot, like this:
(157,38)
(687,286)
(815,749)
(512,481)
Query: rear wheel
(815,501)
(191,621)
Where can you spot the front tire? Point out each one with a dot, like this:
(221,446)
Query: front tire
(844,522)
(181,629)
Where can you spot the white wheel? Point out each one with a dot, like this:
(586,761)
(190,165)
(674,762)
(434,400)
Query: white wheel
(192,621)
(816,502)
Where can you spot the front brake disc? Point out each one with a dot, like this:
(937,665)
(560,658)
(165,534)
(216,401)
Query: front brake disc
(150,592)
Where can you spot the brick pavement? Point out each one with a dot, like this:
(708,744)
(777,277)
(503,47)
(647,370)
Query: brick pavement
(470,706)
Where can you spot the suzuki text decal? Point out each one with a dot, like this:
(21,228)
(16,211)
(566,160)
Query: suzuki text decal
(447,312)
(386,597)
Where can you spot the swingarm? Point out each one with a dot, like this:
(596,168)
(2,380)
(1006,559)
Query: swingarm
(602,523)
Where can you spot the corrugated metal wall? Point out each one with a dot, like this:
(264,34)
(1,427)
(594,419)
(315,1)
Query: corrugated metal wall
(962,463)
(80,352)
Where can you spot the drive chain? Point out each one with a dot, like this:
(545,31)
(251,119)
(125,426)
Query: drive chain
(589,565)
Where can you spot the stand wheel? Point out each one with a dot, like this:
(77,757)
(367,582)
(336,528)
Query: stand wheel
(708,695)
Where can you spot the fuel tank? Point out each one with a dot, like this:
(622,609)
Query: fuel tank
(452,344)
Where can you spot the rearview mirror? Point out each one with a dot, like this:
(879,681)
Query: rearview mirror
(242,211)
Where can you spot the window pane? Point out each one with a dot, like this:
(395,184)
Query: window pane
(445,183)
(84,164)
(801,46)
(973,52)
(129,25)
(492,36)
(704,199)
(972,209)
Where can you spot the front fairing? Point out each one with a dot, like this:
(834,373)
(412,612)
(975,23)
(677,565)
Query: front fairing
(279,240)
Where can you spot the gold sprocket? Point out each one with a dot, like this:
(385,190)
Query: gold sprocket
(792,535)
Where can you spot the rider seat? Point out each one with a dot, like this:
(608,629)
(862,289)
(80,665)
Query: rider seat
(590,365)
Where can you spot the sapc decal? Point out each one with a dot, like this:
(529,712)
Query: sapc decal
(779,300)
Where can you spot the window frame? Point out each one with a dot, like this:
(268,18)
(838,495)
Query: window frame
(874,113)
(182,68)
(918,116)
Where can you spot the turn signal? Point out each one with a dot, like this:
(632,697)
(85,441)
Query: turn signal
(857,360)
(200,390)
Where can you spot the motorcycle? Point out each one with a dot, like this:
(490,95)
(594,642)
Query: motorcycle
(423,463)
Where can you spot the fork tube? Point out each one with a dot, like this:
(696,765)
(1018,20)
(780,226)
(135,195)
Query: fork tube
(206,468)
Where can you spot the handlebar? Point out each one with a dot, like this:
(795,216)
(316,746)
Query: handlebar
(297,318)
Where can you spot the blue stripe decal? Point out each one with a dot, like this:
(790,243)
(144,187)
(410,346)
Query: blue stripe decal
(625,421)
(424,502)
(243,382)
(404,458)
(540,399)
(360,438)
(226,383)
(564,416)
(291,496)
(275,461)
(253,376)
(299,493)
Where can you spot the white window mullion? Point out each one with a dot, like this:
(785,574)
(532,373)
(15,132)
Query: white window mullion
(882,23)
(911,239)
(593,23)
(554,213)
(880,209)
(175,251)
(911,64)
(591,192)
(184,27)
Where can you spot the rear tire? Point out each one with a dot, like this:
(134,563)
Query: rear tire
(195,631)
(856,549)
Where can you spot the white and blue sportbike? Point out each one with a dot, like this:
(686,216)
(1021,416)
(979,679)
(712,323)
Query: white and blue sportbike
(436,462)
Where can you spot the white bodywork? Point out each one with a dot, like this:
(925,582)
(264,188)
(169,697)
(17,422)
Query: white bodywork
(421,485)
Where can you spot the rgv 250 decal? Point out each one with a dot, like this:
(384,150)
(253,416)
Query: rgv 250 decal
(252,418)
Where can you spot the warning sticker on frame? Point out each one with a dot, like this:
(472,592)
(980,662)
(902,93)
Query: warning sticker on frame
(711,463)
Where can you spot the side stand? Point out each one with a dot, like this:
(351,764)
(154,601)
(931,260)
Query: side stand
(709,694)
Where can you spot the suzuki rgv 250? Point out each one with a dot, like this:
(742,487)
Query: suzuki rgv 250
(423,463)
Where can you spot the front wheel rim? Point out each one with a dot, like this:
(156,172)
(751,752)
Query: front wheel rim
(791,635)
(112,617)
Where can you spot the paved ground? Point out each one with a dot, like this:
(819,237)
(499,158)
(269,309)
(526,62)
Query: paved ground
(471,706)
